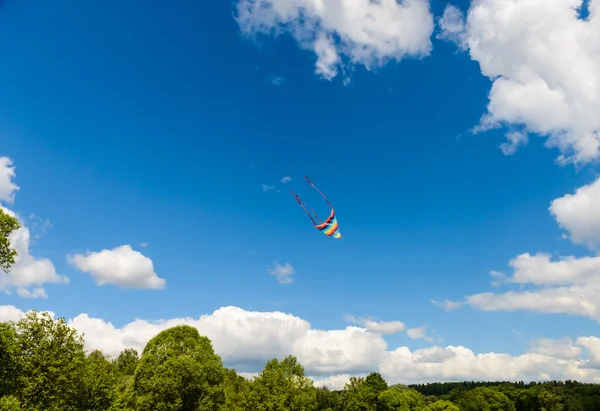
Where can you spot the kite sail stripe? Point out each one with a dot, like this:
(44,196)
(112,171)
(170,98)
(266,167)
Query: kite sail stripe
(330,227)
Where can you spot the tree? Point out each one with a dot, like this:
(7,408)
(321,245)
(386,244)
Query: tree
(363,393)
(443,405)
(97,388)
(375,382)
(9,403)
(178,371)
(282,386)
(50,365)
(485,399)
(8,224)
(238,393)
(8,359)
(401,398)
(327,400)
(127,361)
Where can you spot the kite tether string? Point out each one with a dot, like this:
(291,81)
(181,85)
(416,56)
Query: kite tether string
(313,186)
(303,205)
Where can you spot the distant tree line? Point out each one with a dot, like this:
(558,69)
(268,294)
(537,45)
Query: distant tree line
(44,367)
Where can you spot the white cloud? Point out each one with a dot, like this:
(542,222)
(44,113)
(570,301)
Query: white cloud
(283,273)
(378,327)
(555,94)
(447,305)
(568,285)
(10,313)
(579,214)
(276,80)
(35,293)
(39,226)
(28,271)
(459,364)
(286,179)
(592,345)
(267,188)
(365,32)
(419,333)
(562,348)
(333,382)
(514,140)
(452,25)
(8,188)
(121,266)
(247,339)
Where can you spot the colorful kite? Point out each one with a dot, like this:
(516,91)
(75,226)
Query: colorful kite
(330,226)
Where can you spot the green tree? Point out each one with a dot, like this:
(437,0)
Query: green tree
(238,392)
(399,398)
(327,400)
(443,405)
(375,382)
(127,361)
(9,403)
(8,224)
(282,386)
(178,371)
(50,365)
(8,359)
(97,388)
(363,393)
(485,399)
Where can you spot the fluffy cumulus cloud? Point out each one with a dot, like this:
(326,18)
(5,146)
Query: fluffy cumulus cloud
(579,214)
(419,333)
(283,273)
(562,348)
(364,32)
(121,266)
(247,339)
(8,188)
(28,274)
(565,285)
(544,61)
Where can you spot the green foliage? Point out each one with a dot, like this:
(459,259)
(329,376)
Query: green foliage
(8,359)
(9,403)
(50,364)
(485,399)
(328,400)
(127,361)
(283,386)
(443,405)
(238,392)
(178,370)
(97,388)
(8,224)
(399,399)
(363,393)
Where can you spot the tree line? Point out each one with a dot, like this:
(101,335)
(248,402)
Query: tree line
(44,367)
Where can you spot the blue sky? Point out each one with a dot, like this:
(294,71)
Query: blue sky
(150,123)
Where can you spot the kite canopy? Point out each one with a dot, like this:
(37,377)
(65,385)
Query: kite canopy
(330,226)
